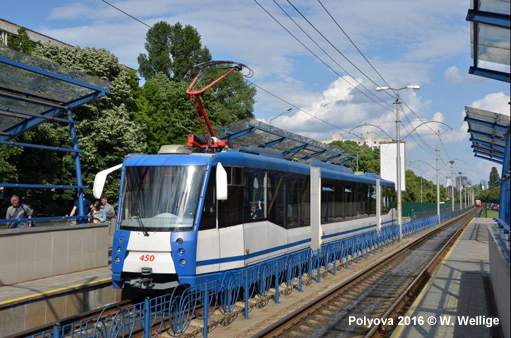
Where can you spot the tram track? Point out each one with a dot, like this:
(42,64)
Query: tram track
(384,290)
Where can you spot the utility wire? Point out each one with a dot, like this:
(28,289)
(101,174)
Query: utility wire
(347,59)
(326,53)
(131,16)
(296,107)
(353,43)
(331,44)
(315,55)
(365,58)
(274,95)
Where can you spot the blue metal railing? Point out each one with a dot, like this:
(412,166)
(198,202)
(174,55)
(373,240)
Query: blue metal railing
(173,313)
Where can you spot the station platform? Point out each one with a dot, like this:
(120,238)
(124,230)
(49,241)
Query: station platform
(460,287)
(51,272)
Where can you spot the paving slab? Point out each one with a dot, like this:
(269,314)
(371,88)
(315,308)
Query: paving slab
(456,290)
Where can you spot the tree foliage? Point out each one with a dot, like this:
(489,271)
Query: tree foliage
(131,119)
(494,176)
(164,111)
(171,50)
(107,133)
(413,189)
(368,159)
(21,42)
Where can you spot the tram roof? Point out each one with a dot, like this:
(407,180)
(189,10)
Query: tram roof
(259,137)
(487,133)
(33,91)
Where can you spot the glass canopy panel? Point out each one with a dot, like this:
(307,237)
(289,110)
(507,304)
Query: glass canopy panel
(491,144)
(494,6)
(31,87)
(39,86)
(51,67)
(250,133)
(493,44)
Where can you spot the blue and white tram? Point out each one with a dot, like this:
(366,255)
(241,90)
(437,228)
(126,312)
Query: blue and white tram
(187,218)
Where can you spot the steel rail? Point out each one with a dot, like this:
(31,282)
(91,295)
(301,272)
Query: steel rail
(416,286)
(296,316)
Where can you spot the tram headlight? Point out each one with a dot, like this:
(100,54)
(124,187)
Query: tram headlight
(179,240)
(182,262)
(181,251)
(117,260)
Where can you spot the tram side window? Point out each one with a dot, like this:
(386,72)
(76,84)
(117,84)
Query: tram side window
(306,217)
(339,201)
(327,200)
(208,217)
(349,193)
(372,200)
(254,195)
(297,192)
(276,198)
(230,212)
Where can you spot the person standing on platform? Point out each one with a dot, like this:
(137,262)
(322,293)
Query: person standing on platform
(109,210)
(87,206)
(18,210)
(98,214)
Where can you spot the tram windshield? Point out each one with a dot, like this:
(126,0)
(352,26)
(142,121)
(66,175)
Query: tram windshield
(161,198)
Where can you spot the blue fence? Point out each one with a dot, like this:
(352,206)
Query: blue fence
(173,313)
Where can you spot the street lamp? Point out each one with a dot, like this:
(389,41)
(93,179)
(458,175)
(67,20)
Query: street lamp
(398,159)
(461,189)
(285,112)
(452,183)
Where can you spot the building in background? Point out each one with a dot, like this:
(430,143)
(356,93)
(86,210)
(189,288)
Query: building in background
(484,184)
(371,140)
(8,29)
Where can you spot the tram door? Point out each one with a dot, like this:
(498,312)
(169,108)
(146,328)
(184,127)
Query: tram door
(208,238)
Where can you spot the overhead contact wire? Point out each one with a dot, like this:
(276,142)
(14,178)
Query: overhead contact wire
(315,55)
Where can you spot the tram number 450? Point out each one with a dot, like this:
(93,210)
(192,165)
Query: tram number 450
(146,258)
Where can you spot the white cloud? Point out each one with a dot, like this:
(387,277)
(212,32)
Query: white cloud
(452,75)
(496,102)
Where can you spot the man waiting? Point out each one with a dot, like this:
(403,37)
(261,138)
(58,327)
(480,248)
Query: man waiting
(87,206)
(18,210)
(109,210)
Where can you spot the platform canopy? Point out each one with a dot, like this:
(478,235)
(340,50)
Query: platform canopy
(255,136)
(487,133)
(33,91)
(490,23)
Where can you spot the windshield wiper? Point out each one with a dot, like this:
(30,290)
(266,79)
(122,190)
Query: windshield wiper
(137,196)
(141,225)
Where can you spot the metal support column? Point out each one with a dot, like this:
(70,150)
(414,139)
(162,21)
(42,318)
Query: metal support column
(72,131)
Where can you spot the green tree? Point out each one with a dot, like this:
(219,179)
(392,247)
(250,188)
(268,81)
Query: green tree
(21,42)
(164,111)
(368,159)
(107,132)
(171,50)
(494,176)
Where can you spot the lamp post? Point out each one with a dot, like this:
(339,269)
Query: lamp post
(452,183)
(357,160)
(398,159)
(285,112)
(461,189)
(437,185)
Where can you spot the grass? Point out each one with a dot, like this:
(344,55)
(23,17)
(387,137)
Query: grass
(490,213)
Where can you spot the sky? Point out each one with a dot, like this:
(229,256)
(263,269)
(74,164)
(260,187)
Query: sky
(401,43)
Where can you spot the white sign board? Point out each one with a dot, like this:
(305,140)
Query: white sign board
(388,163)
